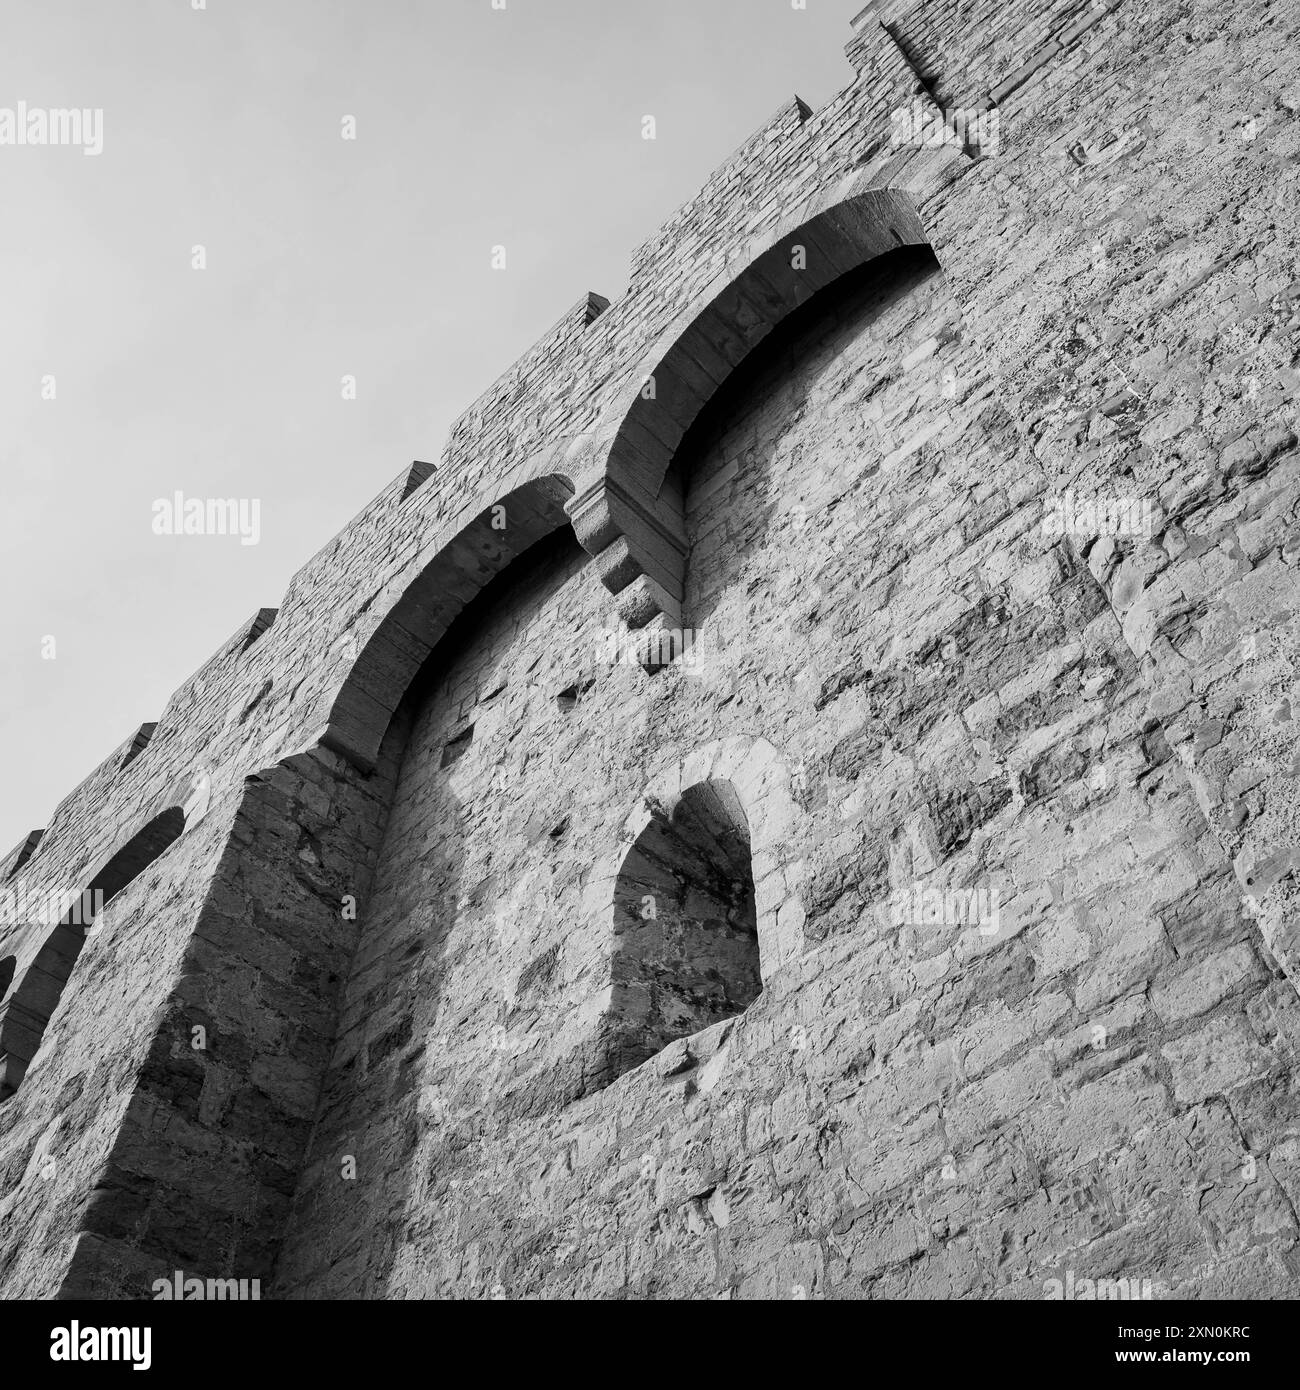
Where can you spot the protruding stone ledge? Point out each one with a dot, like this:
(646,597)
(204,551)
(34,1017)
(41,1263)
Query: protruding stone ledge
(639,545)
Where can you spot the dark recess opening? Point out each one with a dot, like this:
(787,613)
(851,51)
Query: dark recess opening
(457,747)
(687,955)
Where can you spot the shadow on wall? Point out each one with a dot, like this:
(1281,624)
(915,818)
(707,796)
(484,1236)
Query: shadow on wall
(205,1160)
(686,954)
(413,1080)
(392,1097)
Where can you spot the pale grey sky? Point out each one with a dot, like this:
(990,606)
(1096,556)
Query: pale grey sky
(222,128)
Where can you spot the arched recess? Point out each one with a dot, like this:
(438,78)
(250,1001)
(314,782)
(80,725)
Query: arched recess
(628,519)
(727,802)
(686,932)
(25,1013)
(364,706)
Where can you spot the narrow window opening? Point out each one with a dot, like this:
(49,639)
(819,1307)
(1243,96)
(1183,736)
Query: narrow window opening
(686,954)
(457,747)
(662,647)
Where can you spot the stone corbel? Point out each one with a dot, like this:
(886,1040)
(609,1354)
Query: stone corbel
(639,547)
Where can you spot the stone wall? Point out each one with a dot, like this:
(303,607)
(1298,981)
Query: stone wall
(1020,804)
(956,708)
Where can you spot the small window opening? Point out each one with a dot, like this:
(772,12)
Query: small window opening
(569,698)
(457,747)
(686,954)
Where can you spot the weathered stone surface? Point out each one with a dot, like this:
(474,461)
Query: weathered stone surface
(923,923)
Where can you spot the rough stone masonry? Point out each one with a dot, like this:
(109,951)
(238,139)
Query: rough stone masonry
(800,800)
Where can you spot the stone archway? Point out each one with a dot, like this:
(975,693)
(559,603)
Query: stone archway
(628,518)
(718,834)
(423,608)
(687,953)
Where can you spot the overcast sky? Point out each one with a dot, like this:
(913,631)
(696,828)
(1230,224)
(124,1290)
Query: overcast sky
(223,128)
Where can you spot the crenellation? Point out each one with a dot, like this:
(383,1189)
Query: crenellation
(20,854)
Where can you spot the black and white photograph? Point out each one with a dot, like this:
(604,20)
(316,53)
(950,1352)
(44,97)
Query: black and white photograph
(650,655)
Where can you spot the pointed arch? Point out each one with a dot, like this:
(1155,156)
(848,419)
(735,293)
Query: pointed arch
(721,836)
(423,610)
(629,519)
(685,927)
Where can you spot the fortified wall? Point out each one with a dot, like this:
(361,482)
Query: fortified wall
(799,800)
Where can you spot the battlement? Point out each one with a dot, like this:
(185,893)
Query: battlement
(544,407)
(542,415)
